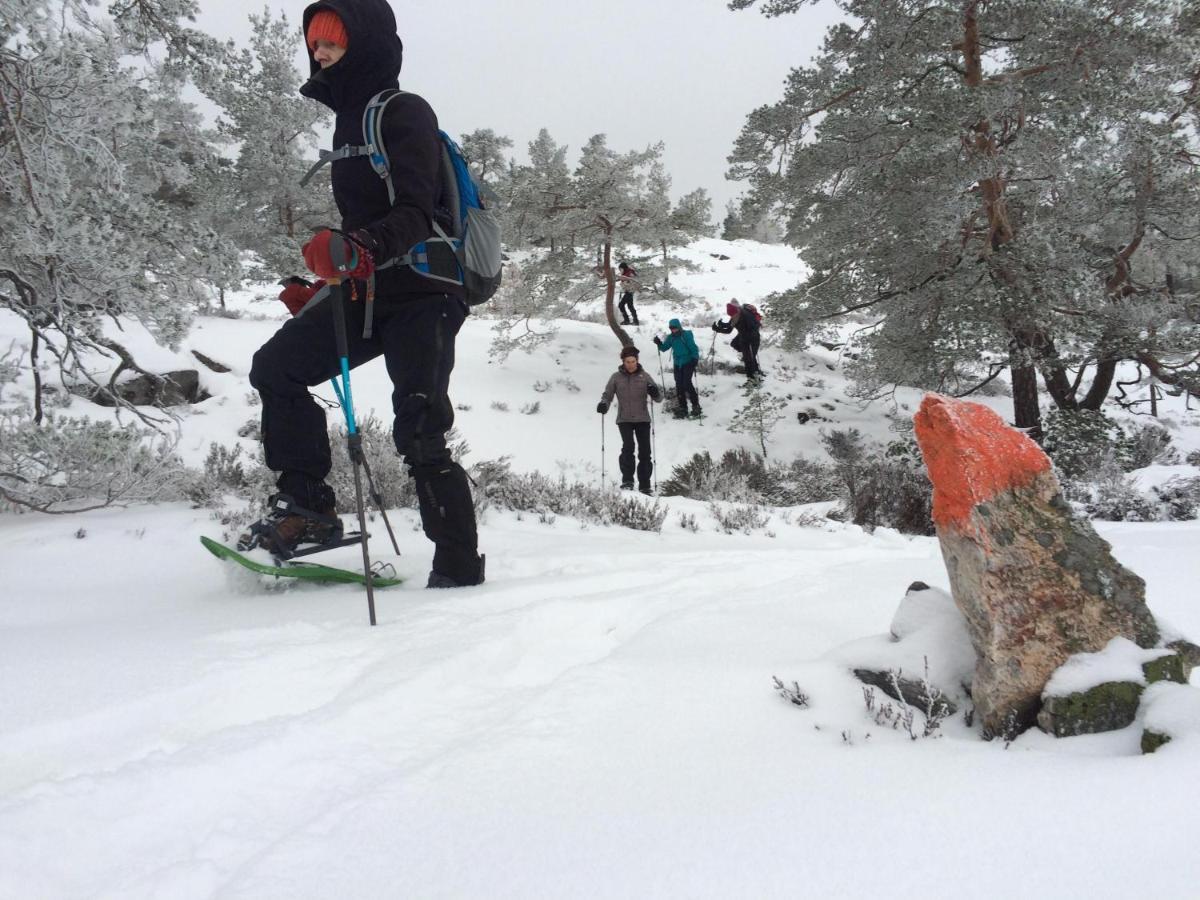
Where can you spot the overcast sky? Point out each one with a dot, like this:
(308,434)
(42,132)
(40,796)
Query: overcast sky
(685,72)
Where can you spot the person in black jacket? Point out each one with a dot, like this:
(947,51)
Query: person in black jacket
(354,54)
(746,341)
(627,275)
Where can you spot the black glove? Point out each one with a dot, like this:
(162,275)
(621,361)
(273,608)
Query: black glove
(655,393)
(715,328)
(602,407)
(658,342)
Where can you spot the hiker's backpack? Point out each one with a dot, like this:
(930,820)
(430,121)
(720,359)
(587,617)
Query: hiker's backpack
(751,308)
(474,235)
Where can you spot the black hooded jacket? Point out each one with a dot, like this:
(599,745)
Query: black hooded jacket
(410,132)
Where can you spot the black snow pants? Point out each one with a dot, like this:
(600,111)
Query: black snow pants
(627,310)
(645,465)
(415,336)
(748,347)
(685,386)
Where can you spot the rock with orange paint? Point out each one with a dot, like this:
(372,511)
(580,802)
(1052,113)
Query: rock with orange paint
(1034,582)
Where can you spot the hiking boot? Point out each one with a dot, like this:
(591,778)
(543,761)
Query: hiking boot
(695,413)
(288,526)
(627,485)
(681,413)
(645,489)
(438,580)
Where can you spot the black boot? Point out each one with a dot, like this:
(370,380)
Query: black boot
(438,580)
(288,527)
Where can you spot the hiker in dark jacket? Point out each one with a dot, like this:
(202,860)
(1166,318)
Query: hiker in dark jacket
(629,284)
(685,356)
(631,385)
(746,341)
(354,53)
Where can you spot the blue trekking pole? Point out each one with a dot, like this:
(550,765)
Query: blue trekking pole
(374,491)
(338,287)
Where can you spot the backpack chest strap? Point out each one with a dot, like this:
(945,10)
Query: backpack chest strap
(325,157)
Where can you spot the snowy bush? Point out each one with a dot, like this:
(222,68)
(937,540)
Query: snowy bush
(1076,439)
(1148,445)
(496,485)
(1193,458)
(735,518)
(881,486)
(744,477)
(1179,498)
(225,471)
(70,465)
(1114,497)
(531,409)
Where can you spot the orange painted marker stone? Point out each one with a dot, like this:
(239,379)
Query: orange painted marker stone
(972,456)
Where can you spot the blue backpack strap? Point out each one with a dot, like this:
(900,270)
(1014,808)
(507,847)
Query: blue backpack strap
(375,149)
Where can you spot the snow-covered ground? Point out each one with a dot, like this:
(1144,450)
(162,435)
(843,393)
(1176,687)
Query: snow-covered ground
(597,720)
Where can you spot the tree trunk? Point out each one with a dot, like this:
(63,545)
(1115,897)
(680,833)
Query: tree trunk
(610,293)
(1106,371)
(37,377)
(1027,414)
(666,270)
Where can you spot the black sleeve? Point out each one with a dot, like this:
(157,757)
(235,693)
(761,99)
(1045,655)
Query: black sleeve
(410,134)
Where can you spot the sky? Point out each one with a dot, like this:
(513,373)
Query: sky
(685,72)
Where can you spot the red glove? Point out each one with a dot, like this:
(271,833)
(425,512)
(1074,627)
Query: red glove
(319,260)
(295,296)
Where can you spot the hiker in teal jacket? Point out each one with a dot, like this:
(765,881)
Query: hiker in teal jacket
(686,356)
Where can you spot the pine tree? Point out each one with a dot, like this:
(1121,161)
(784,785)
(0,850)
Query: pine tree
(759,415)
(274,131)
(99,165)
(995,185)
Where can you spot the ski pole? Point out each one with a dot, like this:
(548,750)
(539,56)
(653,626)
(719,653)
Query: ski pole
(374,491)
(653,448)
(602,453)
(662,379)
(337,255)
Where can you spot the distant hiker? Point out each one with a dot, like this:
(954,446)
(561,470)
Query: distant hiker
(632,385)
(354,53)
(629,284)
(745,321)
(685,356)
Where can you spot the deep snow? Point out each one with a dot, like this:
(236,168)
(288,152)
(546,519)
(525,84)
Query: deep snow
(596,720)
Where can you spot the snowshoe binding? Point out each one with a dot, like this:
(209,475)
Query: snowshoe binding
(289,530)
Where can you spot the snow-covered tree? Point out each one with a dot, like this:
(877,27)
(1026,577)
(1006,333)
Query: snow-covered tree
(273,132)
(1006,182)
(484,150)
(98,162)
(759,415)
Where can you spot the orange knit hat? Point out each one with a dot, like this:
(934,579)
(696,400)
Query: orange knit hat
(326,25)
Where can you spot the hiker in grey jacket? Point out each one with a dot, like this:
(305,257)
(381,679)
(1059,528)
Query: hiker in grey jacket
(631,385)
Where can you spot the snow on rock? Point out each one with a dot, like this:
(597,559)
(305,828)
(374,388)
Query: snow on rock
(1120,660)
(1171,710)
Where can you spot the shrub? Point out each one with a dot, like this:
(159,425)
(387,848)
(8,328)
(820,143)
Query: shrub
(1148,445)
(69,464)
(881,486)
(744,477)
(1076,439)
(1180,498)
(743,518)
(496,485)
